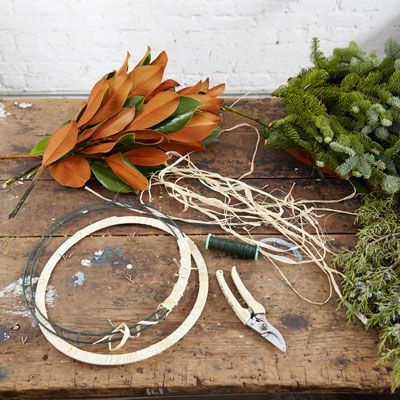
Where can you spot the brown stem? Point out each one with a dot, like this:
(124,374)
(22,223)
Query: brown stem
(26,194)
(394,234)
(16,156)
(20,175)
(245,115)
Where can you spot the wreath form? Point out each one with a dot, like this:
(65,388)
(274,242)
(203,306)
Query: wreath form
(119,359)
(161,312)
(37,303)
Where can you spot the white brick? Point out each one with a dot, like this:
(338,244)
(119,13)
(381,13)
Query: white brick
(252,45)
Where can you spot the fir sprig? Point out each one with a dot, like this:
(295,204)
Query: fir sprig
(345,113)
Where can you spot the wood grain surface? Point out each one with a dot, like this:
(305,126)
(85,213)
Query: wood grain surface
(219,355)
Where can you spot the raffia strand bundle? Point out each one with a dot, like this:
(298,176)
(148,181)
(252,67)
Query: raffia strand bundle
(238,208)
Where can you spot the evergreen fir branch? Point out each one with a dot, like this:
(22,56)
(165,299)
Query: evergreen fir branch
(345,112)
(317,56)
(392,48)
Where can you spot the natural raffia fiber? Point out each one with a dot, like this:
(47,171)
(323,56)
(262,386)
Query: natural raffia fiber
(238,208)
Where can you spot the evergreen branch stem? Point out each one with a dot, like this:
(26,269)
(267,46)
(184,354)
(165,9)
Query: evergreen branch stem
(390,235)
(245,115)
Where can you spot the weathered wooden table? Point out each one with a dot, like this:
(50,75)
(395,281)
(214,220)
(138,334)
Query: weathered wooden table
(219,355)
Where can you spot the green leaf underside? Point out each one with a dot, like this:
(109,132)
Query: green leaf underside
(127,141)
(147,171)
(147,60)
(110,74)
(212,137)
(184,112)
(40,146)
(108,179)
(134,101)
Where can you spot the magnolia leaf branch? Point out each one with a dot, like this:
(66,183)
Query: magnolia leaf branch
(150,116)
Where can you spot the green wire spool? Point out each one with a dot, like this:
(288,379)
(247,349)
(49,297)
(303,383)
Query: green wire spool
(234,247)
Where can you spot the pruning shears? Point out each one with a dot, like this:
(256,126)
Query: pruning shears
(254,316)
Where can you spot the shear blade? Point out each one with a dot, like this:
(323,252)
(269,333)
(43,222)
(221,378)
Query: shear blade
(275,337)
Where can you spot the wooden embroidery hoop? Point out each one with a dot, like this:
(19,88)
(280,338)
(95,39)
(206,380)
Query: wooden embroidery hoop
(187,250)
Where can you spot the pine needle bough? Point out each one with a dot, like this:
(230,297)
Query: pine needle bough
(343,115)
(372,275)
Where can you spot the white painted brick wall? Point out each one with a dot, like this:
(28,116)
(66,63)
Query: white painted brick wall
(63,46)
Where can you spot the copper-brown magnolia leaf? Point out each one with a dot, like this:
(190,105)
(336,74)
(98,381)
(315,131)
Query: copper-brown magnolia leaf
(150,137)
(216,90)
(120,87)
(198,128)
(86,134)
(148,51)
(73,171)
(60,143)
(162,87)
(80,112)
(191,89)
(115,83)
(124,66)
(100,148)
(160,107)
(205,85)
(115,124)
(145,79)
(94,101)
(183,148)
(210,104)
(127,172)
(146,156)
(162,59)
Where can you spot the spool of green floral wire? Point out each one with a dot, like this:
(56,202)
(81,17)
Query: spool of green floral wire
(29,270)
(234,247)
(247,250)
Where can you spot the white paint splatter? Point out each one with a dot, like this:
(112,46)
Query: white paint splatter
(85,262)
(129,266)
(14,291)
(78,279)
(23,105)
(3,112)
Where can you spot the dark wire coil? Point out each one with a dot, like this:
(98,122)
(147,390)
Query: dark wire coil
(29,270)
(234,247)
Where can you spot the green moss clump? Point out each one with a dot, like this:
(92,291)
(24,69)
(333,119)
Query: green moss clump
(372,275)
(345,112)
